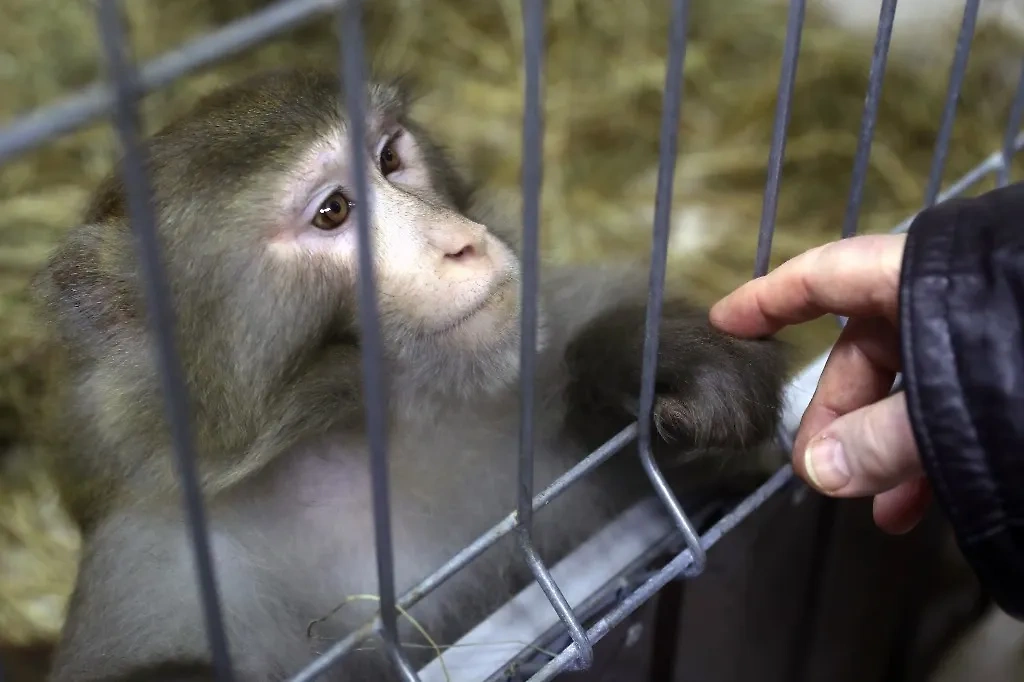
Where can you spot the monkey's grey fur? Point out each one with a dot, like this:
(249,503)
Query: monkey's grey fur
(271,356)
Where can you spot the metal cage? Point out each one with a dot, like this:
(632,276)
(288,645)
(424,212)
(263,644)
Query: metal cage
(119,97)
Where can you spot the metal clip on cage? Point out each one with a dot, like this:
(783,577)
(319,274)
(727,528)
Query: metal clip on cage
(120,98)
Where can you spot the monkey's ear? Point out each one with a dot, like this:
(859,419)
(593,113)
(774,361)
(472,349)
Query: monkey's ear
(85,287)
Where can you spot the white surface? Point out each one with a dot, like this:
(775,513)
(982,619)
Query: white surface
(915,19)
(496,641)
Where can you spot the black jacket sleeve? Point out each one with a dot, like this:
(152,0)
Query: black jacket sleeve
(962,329)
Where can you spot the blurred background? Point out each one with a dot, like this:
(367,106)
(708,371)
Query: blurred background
(604,74)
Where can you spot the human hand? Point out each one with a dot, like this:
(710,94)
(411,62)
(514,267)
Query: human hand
(854,439)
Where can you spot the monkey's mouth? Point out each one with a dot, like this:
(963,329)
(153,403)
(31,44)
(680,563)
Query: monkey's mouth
(496,291)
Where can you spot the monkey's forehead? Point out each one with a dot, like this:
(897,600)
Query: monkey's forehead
(281,119)
(288,102)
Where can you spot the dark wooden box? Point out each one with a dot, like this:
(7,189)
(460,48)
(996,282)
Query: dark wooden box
(805,590)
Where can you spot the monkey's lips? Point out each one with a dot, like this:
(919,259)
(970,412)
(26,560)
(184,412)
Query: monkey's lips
(491,301)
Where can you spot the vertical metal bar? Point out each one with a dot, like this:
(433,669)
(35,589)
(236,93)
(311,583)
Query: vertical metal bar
(1012,131)
(956,79)
(876,75)
(787,80)
(672,103)
(559,603)
(533,133)
(374,389)
(867,125)
(532,175)
(162,322)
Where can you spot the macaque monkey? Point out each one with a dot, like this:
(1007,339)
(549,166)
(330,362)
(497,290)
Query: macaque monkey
(257,218)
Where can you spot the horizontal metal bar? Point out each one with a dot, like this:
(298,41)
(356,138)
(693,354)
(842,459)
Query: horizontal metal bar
(508,524)
(472,551)
(669,572)
(968,180)
(97,100)
(594,567)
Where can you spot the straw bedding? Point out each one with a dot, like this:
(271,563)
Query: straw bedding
(604,78)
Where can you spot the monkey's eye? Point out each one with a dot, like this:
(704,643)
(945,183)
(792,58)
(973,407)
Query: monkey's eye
(333,212)
(389,161)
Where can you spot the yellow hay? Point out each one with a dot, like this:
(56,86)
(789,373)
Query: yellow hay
(604,75)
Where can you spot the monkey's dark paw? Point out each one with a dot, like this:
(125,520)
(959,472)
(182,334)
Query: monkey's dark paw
(694,424)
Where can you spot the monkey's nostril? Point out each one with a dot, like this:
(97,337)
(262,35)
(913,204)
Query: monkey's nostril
(465,252)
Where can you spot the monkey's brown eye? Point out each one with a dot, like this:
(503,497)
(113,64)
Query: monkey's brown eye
(389,161)
(333,212)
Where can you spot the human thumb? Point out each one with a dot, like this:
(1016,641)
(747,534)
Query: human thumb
(864,452)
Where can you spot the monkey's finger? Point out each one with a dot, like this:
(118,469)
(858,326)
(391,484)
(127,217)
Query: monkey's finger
(897,511)
(858,276)
(859,371)
(865,452)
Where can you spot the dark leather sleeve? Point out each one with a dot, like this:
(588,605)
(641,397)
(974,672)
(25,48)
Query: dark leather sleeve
(961,317)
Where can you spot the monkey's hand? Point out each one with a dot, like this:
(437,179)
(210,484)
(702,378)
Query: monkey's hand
(713,391)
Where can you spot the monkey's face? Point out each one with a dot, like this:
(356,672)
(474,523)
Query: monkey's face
(255,198)
(445,283)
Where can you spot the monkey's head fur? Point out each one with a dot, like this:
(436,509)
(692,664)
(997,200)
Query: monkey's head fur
(257,218)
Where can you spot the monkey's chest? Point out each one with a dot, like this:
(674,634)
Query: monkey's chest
(447,487)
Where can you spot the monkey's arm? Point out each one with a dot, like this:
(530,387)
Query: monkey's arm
(712,392)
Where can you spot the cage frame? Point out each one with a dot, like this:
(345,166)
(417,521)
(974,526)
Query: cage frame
(117,96)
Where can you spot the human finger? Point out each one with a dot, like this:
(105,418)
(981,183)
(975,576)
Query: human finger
(865,452)
(860,370)
(858,276)
(900,509)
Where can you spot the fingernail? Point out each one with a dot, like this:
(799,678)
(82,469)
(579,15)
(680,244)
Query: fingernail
(826,464)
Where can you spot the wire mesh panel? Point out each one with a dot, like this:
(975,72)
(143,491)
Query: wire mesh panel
(119,97)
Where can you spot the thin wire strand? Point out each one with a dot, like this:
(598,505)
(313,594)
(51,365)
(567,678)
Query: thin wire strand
(777,152)
(1013,122)
(162,322)
(374,389)
(956,79)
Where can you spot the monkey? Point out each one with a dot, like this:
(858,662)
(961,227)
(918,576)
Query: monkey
(257,220)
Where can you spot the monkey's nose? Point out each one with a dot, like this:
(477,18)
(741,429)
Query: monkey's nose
(461,244)
(467,251)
